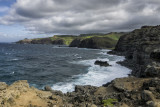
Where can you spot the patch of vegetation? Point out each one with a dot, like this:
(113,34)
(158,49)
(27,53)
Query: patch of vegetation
(109,102)
(67,39)
(5,100)
(17,96)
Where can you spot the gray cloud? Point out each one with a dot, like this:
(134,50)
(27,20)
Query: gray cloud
(87,16)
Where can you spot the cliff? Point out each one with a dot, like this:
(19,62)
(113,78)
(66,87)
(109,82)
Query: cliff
(55,40)
(97,41)
(141,48)
(82,41)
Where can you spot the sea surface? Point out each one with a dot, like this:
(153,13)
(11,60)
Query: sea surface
(59,67)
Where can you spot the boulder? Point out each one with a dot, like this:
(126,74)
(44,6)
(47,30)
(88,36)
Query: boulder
(147,95)
(47,88)
(101,63)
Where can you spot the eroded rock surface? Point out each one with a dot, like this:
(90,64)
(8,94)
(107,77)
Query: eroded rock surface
(142,50)
(129,92)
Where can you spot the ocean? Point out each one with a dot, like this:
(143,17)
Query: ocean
(59,67)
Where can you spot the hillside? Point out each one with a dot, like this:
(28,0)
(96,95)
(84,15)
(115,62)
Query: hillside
(57,40)
(99,40)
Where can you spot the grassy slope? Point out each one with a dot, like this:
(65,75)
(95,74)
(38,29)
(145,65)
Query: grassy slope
(69,38)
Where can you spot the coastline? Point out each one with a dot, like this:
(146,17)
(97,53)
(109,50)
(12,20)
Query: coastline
(140,89)
(25,88)
(81,97)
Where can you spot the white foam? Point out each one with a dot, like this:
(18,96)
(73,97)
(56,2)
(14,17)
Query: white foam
(96,76)
(12,73)
(15,59)
(8,53)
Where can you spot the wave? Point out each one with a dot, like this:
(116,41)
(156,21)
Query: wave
(96,75)
(15,59)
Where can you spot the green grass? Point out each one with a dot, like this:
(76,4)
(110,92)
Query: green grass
(114,36)
(109,102)
(67,39)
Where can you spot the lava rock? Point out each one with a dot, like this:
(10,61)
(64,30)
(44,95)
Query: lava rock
(101,63)
(47,88)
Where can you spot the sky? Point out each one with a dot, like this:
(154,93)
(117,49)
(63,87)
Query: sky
(21,19)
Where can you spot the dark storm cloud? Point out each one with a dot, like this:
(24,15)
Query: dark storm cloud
(87,16)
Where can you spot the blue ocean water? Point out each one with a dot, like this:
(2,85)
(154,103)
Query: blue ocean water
(59,67)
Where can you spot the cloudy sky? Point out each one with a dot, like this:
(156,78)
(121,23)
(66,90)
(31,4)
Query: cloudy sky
(21,19)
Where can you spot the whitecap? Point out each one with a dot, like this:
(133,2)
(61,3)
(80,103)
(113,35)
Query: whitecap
(12,73)
(8,53)
(15,59)
(79,57)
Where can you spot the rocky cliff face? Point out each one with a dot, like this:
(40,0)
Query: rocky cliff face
(75,42)
(142,49)
(42,41)
(94,42)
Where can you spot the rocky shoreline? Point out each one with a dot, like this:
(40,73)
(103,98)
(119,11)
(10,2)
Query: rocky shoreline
(129,92)
(141,89)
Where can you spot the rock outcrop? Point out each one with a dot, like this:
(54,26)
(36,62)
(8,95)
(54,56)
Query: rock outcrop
(94,43)
(141,48)
(101,63)
(42,41)
(128,92)
(19,94)
(75,42)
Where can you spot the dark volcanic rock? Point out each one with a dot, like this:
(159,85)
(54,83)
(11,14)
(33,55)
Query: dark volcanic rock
(75,43)
(25,41)
(47,88)
(42,41)
(141,47)
(94,42)
(101,63)
(97,43)
(58,42)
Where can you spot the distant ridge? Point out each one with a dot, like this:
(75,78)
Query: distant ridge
(107,40)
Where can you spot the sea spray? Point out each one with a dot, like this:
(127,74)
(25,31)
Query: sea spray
(96,75)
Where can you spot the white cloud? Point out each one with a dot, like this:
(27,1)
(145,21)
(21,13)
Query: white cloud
(4,9)
(87,16)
